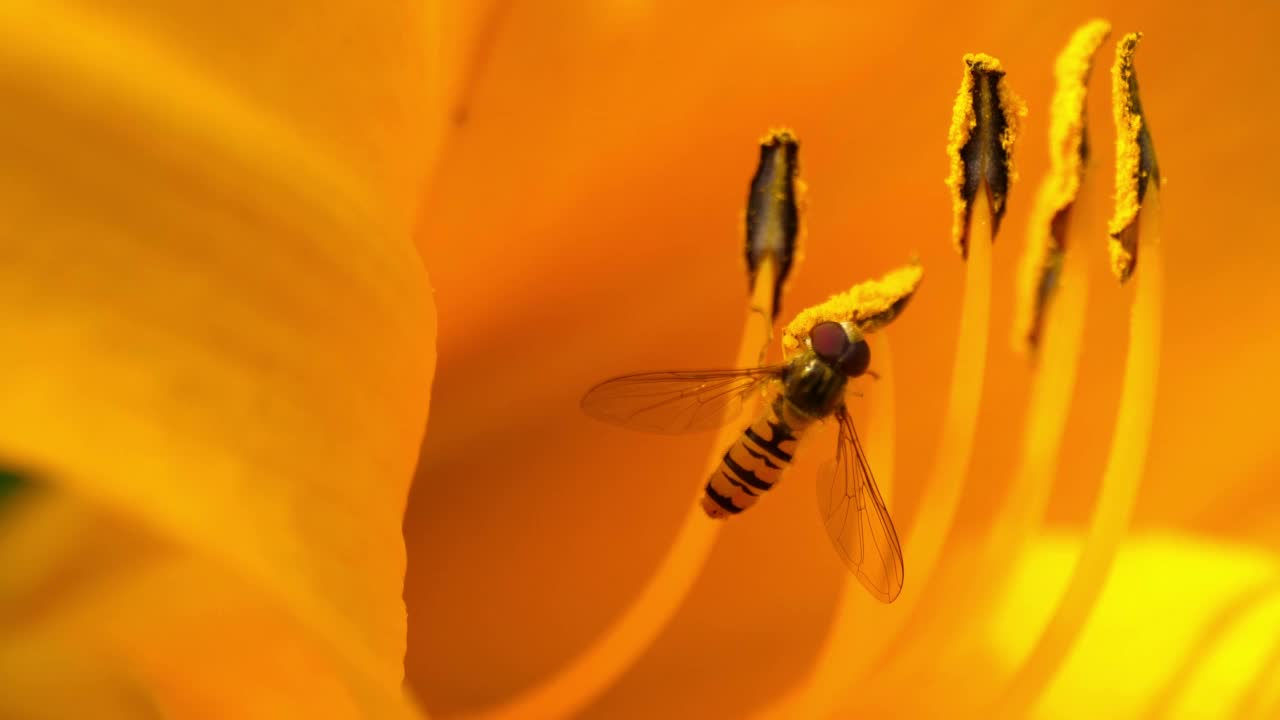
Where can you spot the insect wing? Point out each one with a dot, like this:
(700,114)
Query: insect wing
(856,518)
(676,401)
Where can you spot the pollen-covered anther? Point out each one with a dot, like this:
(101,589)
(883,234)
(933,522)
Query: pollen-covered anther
(985,123)
(869,306)
(1042,260)
(773,212)
(1136,165)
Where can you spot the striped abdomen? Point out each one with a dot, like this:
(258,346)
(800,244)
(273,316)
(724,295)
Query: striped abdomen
(751,466)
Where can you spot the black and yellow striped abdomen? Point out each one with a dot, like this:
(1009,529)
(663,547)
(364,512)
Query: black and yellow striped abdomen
(752,465)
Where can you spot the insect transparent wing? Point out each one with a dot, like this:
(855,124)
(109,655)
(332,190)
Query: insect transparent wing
(856,518)
(675,401)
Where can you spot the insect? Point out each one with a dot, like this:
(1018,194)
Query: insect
(798,394)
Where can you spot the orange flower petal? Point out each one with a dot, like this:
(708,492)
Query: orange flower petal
(586,210)
(112,618)
(218,324)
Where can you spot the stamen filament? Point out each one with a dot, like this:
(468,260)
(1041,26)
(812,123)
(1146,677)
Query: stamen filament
(1120,480)
(598,666)
(1050,324)
(1135,231)
(985,123)
(818,694)
(852,645)
(1050,399)
(925,540)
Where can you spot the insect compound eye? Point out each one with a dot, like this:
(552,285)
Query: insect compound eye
(829,341)
(856,358)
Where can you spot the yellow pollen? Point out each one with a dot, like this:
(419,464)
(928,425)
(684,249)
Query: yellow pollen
(779,136)
(869,306)
(996,121)
(1135,158)
(1067,121)
(1042,260)
(773,222)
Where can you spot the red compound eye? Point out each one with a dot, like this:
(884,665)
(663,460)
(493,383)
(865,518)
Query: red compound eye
(829,341)
(856,358)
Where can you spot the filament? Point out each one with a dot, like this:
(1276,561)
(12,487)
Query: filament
(837,669)
(842,646)
(1120,479)
(618,647)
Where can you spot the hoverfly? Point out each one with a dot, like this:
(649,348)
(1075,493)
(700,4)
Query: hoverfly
(798,394)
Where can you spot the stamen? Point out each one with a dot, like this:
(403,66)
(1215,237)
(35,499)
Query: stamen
(1052,389)
(980,224)
(985,123)
(840,673)
(765,291)
(1060,327)
(1068,156)
(773,212)
(839,670)
(1136,163)
(869,306)
(1128,453)
(611,653)
(941,493)
(820,692)
(1120,481)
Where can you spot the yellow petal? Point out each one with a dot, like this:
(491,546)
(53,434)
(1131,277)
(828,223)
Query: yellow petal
(1183,581)
(216,322)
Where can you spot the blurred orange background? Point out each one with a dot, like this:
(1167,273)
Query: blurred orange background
(584,222)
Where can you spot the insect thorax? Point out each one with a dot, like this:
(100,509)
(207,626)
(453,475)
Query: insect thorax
(813,388)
